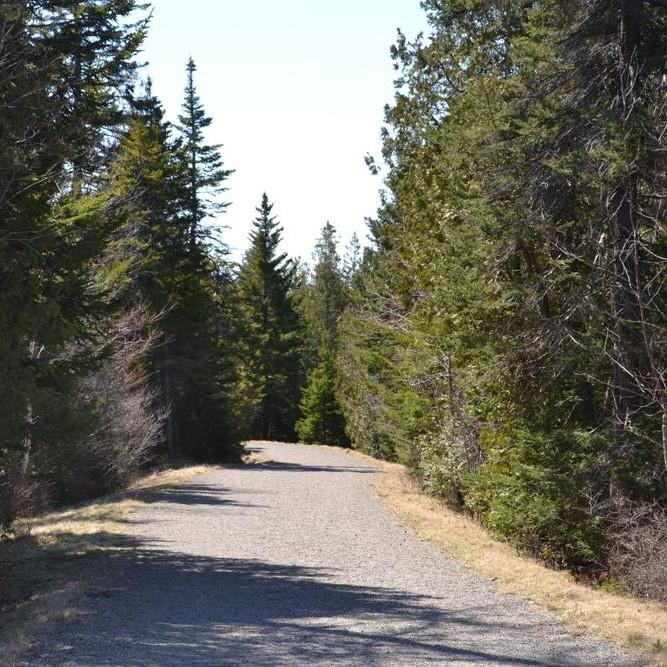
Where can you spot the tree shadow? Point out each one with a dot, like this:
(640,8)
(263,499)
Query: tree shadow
(280,466)
(192,494)
(159,607)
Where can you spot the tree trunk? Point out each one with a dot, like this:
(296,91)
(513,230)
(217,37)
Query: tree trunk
(26,445)
(623,203)
(195,198)
(27,438)
(169,426)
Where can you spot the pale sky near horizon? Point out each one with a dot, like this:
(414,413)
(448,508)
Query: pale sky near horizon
(296,90)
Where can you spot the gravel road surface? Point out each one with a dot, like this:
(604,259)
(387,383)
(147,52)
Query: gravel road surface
(293,562)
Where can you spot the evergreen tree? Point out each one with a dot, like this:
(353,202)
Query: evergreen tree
(202,344)
(352,258)
(501,340)
(322,304)
(327,296)
(321,416)
(100,258)
(153,256)
(51,116)
(269,347)
(204,174)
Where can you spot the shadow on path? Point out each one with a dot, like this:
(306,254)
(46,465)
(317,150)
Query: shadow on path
(161,607)
(297,467)
(193,494)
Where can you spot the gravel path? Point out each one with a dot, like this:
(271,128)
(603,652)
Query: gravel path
(294,562)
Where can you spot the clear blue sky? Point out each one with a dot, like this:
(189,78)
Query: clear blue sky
(296,89)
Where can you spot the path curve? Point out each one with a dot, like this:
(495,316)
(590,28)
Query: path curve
(294,562)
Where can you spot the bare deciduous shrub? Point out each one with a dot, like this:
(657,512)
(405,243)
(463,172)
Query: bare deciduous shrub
(129,419)
(20,497)
(117,419)
(638,557)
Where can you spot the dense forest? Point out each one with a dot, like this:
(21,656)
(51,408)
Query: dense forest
(504,335)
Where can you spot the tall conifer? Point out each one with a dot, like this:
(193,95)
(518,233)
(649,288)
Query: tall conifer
(323,304)
(204,173)
(269,333)
(53,108)
(156,257)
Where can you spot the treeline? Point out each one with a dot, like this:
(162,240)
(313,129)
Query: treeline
(127,336)
(507,337)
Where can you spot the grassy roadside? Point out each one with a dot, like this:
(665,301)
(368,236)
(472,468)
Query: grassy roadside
(636,625)
(44,571)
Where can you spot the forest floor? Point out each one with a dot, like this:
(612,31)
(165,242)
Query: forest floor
(293,559)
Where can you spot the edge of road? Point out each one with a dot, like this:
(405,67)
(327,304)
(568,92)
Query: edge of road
(637,626)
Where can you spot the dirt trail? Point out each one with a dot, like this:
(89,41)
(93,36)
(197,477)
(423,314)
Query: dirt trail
(293,562)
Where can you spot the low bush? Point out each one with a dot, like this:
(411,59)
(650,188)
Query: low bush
(638,557)
(117,419)
(20,497)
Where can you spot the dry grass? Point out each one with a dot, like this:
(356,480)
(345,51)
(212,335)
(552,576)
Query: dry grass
(636,625)
(44,570)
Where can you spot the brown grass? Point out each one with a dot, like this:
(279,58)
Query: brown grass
(636,625)
(45,569)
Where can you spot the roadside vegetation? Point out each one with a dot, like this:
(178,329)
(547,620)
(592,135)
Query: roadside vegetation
(602,611)
(128,338)
(506,337)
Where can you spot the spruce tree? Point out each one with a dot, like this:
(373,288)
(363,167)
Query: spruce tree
(204,173)
(328,295)
(51,120)
(322,305)
(146,253)
(321,416)
(505,336)
(154,257)
(269,347)
(352,258)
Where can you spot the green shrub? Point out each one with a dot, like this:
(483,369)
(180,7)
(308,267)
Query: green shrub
(531,492)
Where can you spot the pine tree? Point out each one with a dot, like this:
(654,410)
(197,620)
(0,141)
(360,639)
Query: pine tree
(203,341)
(146,253)
(269,348)
(504,336)
(327,298)
(352,258)
(204,170)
